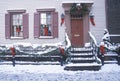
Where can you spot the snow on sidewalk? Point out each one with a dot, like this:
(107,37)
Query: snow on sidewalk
(108,72)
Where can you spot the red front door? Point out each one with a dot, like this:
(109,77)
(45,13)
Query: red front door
(77,32)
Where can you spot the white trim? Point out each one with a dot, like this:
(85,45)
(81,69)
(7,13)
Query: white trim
(78,1)
(16,37)
(45,37)
(114,35)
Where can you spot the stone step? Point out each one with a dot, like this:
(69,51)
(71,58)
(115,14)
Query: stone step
(110,62)
(81,50)
(79,58)
(110,55)
(83,61)
(81,55)
(82,66)
(111,58)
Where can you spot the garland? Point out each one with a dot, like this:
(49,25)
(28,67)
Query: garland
(79,10)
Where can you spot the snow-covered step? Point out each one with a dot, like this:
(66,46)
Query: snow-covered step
(81,49)
(110,62)
(83,61)
(114,55)
(82,55)
(83,66)
(110,54)
(93,58)
(110,58)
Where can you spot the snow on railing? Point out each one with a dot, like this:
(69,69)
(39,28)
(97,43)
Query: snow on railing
(68,45)
(93,38)
(29,48)
(37,48)
(94,46)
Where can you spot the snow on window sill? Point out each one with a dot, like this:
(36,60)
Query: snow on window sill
(46,37)
(16,37)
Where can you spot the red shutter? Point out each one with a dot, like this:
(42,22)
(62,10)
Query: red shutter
(7,26)
(55,24)
(25,25)
(36,25)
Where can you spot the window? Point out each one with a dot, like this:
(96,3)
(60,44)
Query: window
(46,23)
(17,27)
(16,24)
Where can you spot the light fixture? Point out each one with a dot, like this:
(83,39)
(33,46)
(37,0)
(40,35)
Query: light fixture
(78,5)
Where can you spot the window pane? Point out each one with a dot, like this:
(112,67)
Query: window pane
(49,30)
(17,28)
(48,18)
(45,24)
(43,18)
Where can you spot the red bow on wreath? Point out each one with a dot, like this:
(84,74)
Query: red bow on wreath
(92,20)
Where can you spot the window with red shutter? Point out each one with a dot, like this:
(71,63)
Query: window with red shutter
(7,26)
(25,25)
(46,23)
(55,24)
(16,24)
(36,25)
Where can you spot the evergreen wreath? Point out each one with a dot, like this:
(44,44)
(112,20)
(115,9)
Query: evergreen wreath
(79,11)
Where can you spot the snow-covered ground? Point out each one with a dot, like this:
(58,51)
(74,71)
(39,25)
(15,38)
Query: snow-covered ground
(108,72)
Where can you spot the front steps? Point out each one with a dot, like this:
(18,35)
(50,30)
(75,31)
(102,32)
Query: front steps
(82,59)
(110,58)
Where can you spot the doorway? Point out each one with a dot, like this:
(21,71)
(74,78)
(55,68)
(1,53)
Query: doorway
(77,32)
